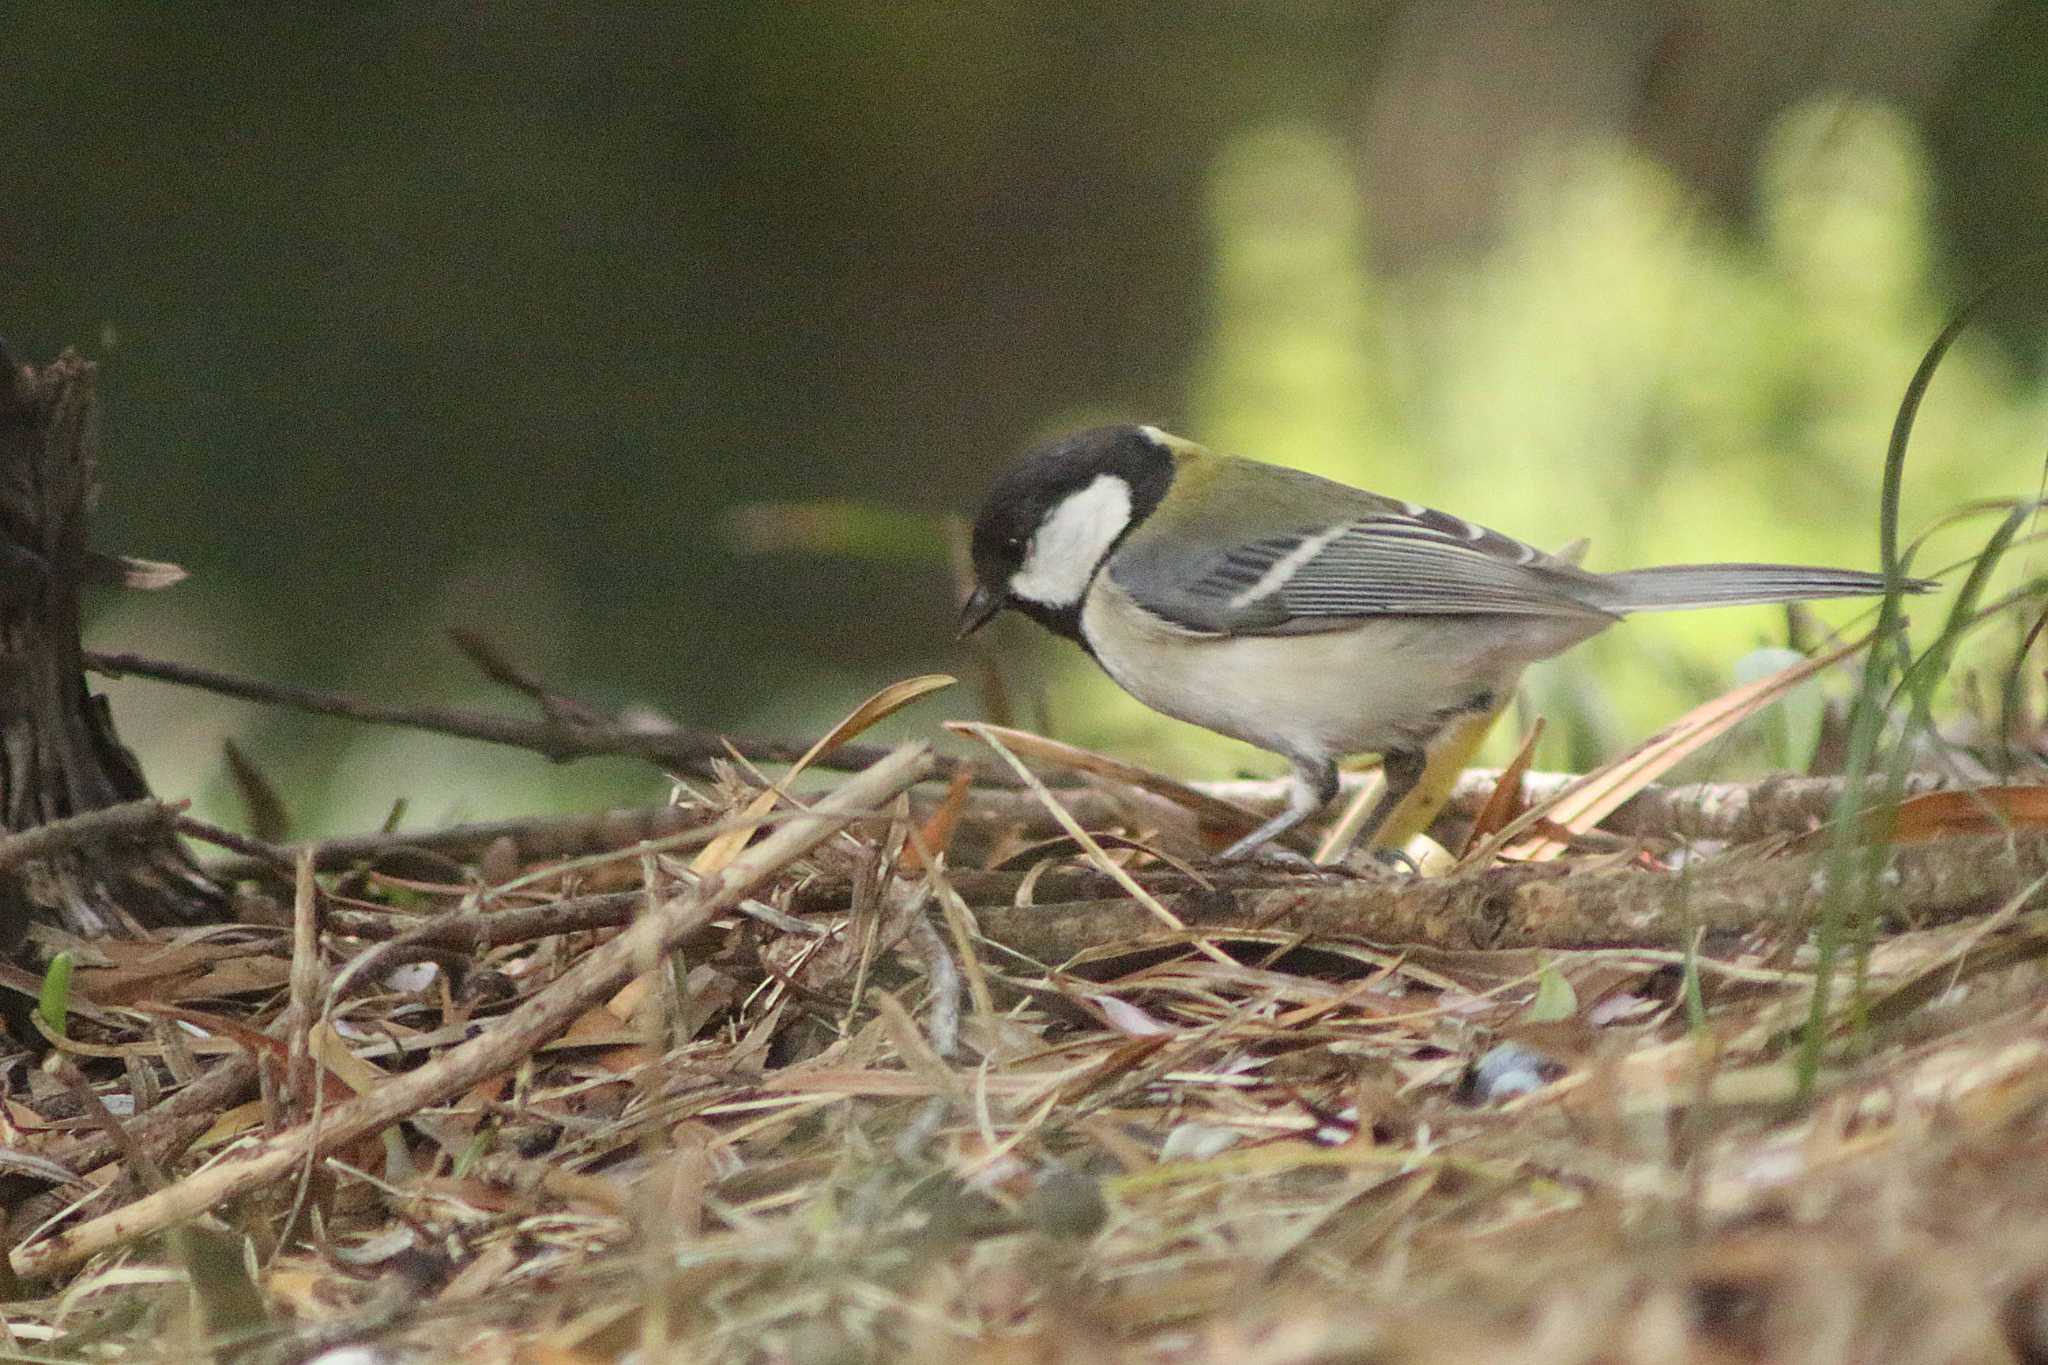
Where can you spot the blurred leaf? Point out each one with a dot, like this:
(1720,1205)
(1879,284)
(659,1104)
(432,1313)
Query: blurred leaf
(126,571)
(1791,729)
(1555,999)
(937,833)
(838,527)
(268,816)
(230,1302)
(1445,761)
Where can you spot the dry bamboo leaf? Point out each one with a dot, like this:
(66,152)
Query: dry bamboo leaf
(1589,801)
(686,1176)
(626,1002)
(490,1273)
(237,1122)
(1506,796)
(883,704)
(1214,813)
(937,832)
(622,1046)
(1102,860)
(329,1049)
(1950,814)
(168,973)
(126,571)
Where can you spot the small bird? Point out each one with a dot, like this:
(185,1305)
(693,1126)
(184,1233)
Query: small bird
(1307,617)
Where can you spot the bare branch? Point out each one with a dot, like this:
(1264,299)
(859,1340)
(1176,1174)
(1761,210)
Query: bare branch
(685,750)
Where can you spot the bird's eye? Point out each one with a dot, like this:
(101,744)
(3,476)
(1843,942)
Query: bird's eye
(1015,542)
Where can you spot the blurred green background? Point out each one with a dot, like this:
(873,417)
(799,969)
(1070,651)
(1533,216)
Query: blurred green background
(542,319)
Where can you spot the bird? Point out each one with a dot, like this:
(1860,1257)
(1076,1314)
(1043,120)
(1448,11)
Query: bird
(1306,617)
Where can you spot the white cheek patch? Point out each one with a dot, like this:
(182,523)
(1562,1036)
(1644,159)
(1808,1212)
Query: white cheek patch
(1072,541)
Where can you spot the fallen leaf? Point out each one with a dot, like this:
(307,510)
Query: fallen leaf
(1948,815)
(880,706)
(1584,804)
(1213,812)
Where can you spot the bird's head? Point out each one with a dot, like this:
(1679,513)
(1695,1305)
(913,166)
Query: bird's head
(1050,520)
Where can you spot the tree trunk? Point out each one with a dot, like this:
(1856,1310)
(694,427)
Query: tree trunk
(58,753)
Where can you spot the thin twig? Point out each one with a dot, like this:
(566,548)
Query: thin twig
(494,664)
(686,749)
(139,1160)
(944,975)
(303,1007)
(256,853)
(533,837)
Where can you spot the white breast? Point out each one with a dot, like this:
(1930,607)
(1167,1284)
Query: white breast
(1385,681)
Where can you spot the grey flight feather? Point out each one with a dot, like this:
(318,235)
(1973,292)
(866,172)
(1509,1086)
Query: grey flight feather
(1434,564)
(1675,587)
(1359,555)
(1416,562)
(1398,561)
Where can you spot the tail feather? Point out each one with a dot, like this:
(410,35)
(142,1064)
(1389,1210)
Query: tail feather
(1675,587)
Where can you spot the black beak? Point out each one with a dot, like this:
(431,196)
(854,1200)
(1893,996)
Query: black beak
(982,604)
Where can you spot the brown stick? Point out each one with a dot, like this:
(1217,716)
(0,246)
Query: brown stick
(129,818)
(1734,811)
(1549,906)
(1731,811)
(594,976)
(474,932)
(534,838)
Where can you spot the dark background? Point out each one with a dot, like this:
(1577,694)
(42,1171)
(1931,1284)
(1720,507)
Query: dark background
(491,315)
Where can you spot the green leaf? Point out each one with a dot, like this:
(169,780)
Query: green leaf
(53,1002)
(1555,998)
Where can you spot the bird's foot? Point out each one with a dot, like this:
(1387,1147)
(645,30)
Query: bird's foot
(1271,857)
(1274,858)
(1392,860)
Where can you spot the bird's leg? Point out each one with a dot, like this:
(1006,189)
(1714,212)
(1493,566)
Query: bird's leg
(1313,786)
(1401,770)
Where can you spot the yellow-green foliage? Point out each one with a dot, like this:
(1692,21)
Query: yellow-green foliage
(1619,365)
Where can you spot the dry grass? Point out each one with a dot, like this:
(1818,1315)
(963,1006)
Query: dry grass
(843,1123)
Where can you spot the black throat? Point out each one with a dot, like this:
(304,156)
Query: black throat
(1059,620)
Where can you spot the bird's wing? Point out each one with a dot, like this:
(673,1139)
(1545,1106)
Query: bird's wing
(1396,559)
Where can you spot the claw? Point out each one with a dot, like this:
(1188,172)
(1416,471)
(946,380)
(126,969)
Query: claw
(1390,858)
(1270,855)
